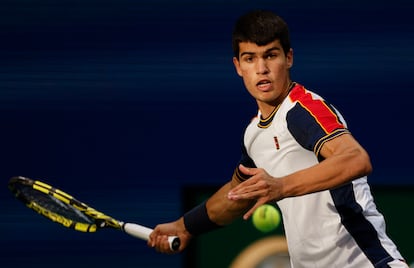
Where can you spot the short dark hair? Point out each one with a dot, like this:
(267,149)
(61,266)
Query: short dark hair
(260,27)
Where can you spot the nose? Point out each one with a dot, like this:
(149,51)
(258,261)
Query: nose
(262,67)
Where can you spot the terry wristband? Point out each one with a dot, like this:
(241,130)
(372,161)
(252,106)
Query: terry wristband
(197,221)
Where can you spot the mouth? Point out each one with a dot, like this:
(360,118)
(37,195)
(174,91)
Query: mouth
(264,85)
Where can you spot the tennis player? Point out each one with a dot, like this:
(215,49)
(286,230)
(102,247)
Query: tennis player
(299,153)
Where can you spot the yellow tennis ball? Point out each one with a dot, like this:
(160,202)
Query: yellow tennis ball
(266,218)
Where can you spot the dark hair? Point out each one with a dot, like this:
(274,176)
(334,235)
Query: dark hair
(260,27)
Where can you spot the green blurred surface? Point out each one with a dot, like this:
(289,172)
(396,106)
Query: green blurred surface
(396,204)
(219,248)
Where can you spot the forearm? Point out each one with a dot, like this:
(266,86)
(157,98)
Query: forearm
(216,212)
(222,210)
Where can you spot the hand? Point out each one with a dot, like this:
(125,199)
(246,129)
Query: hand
(260,186)
(158,239)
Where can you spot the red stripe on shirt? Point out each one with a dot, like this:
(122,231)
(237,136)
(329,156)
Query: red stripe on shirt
(323,114)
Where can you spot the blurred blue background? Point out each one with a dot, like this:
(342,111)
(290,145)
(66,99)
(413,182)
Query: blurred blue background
(123,103)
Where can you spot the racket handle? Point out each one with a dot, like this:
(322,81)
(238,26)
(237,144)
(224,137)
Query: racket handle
(143,232)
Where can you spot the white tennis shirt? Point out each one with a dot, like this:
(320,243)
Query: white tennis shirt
(333,228)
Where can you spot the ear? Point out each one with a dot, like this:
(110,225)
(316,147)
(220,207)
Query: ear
(289,58)
(237,66)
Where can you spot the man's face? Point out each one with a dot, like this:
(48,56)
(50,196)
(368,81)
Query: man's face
(265,71)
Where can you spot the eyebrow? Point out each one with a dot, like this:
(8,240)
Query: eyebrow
(267,51)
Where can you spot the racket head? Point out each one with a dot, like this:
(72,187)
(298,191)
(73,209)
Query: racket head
(59,206)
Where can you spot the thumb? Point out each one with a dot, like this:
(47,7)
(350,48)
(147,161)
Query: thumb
(246,170)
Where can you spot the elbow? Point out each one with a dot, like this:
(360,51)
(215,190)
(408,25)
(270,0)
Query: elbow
(364,164)
(368,169)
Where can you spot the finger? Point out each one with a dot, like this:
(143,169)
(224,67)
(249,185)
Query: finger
(241,193)
(249,213)
(256,190)
(152,238)
(240,188)
(160,244)
(254,194)
(158,241)
(165,247)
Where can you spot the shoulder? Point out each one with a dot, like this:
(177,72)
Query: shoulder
(306,104)
(304,96)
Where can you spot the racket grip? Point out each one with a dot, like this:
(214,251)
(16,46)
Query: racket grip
(143,233)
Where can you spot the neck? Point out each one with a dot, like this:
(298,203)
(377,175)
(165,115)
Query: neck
(266,109)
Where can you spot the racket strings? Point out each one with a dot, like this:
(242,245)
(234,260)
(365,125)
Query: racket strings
(54,205)
(60,206)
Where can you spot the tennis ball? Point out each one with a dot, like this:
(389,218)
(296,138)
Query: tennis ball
(266,218)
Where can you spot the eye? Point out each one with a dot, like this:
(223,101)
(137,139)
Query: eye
(271,56)
(248,59)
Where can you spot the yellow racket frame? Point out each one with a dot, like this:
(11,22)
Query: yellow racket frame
(101,220)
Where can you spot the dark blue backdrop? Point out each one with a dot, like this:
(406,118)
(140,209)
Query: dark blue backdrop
(123,102)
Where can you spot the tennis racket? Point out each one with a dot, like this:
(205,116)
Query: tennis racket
(62,208)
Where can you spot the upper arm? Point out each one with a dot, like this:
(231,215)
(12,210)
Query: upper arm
(346,147)
(341,144)
(342,160)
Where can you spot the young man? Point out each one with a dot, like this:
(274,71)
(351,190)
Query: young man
(299,153)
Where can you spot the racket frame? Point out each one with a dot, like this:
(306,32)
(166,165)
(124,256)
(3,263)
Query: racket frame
(101,220)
